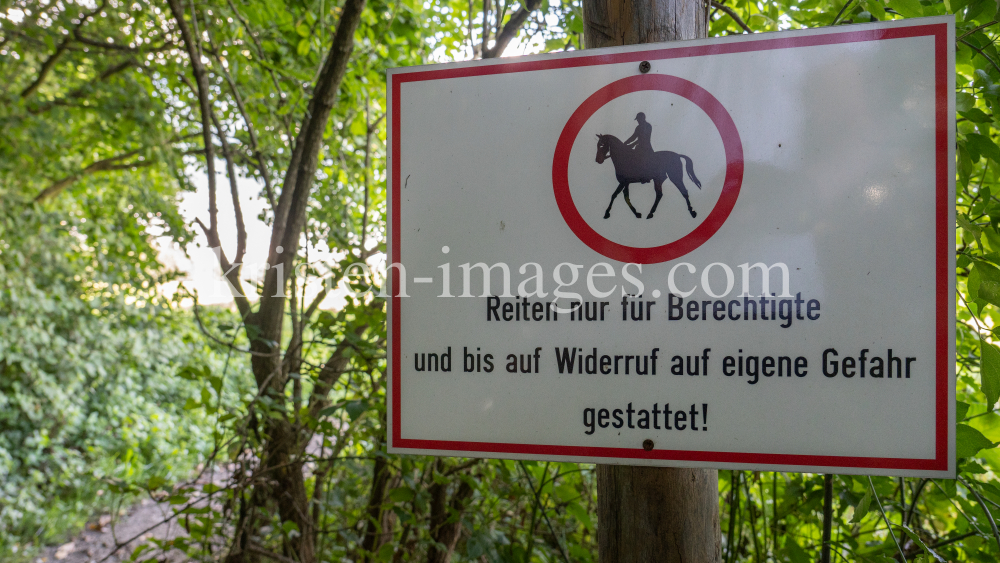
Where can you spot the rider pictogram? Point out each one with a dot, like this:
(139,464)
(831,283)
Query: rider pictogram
(642,140)
(636,161)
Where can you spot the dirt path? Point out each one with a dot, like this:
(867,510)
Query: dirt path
(143,521)
(99,539)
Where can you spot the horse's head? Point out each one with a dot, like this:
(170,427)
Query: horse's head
(603,148)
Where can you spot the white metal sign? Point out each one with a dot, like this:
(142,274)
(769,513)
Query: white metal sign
(731,253)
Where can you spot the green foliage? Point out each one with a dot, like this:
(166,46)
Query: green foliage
(104,386)
(89,401)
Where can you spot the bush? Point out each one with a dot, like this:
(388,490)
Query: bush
(89,392)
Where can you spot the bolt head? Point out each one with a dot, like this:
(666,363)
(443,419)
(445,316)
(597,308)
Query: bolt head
(644,67)
(647,445)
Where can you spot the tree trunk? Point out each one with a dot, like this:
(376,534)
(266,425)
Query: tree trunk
(289,487)
(445,527)
(607,23)
(658,514)
(379,522)
(651,513)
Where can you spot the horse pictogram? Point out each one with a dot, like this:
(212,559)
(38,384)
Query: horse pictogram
(635,161)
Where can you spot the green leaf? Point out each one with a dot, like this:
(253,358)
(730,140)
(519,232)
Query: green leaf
(565,492)
(986,283)
(916,539)
(993,238)
(990,490)
(984,146)
(358,127)
(980,8)
(969,441)
(329,410)
(142,547)
(989,371)
(964,101)
(795,552)
(988,271)
(403,515)
(188,372)
(875,7)
(965,161)
(973,281)
(355,408)
(303,48)
(948,486)
(969,226)
(234,450)
(861,510)
(478,544)
(971,468)
(581,514)
(976,115)
(961,409)
(907,8)
(990,291)
(302,29)
(401,494)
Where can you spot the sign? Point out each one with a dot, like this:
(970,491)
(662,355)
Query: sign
(727,253)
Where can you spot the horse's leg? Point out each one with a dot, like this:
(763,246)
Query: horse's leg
(678,180)
(621,186)
(658,186)
(629,202)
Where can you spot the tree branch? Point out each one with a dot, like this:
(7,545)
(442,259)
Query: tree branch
(971,31)
(486,25)
(231,270)
(980,51)
(46,68)
(982,504)
(100,166)
(261,166)
(83,90)
(232,274)
(732,13)
(841,12)
(201,79)
(335,366)
(510,29)
(369,129)
(50,62)
(263,58)
(254,548)
(290,214)
(80,38)
(241,230)
(298,182)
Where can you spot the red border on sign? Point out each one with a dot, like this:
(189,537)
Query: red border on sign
(730,187)
(940,461)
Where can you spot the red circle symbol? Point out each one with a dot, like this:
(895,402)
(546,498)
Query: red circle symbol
(730,187)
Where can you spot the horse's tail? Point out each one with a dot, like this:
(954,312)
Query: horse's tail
(690,171)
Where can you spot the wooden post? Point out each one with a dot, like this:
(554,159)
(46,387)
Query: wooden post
(652,513)
(607,23)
